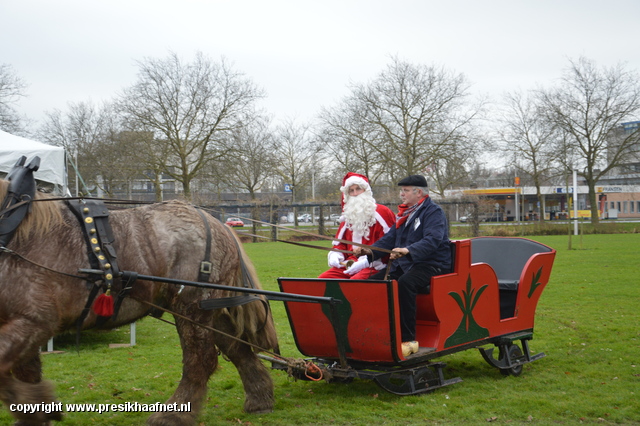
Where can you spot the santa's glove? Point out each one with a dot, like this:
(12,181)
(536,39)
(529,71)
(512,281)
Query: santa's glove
(335,259)
(358,266)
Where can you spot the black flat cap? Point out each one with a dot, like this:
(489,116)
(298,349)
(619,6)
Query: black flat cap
(414,180)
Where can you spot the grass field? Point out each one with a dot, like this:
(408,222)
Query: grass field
(587,323)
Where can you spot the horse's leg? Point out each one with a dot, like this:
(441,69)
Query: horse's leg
(256,380)
(20,381)
(199,361)
(29,371)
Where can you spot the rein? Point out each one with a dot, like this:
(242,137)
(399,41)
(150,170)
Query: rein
(21,257)
(324,237)
(206,327)
(15,206)
(311,370)
(295,243)
(133,202)
(104,200)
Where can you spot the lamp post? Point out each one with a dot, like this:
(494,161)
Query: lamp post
(575,201)
(75,159)
(517,206)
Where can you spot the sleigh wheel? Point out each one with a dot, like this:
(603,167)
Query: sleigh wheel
(513,353)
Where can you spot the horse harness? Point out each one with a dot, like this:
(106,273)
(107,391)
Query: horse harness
(20,192)
(94,219)
(93,216)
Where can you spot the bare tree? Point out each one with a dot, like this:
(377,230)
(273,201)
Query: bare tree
(119,159)
(531,140)
(451,171)
(347,138)
(77,130)
(103,155)
(190,108)
(410,116)
(250,161)
(589,106)
(295,152)
(12,88)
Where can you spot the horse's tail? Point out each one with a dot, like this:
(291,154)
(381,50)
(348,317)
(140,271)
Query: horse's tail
(254,318)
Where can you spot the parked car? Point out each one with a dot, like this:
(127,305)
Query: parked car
(463,218)
(304,218)
(335,218)
(234,221)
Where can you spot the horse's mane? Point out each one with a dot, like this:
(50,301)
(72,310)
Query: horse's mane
(40,218)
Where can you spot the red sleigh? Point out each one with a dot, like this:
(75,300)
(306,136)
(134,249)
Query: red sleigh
(489,298)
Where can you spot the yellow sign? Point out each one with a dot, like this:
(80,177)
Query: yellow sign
(581,213)
(493,191)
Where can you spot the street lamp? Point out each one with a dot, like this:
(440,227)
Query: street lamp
(575,201)
(517,206)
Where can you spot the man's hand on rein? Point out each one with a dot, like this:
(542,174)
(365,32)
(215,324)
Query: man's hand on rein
(399,252)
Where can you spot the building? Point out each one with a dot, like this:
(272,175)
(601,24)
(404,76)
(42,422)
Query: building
(615,202)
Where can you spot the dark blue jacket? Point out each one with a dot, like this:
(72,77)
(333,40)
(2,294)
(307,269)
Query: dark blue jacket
(425,234)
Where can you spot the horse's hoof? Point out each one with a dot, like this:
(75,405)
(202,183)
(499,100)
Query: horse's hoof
(264,411)
(253,408)
(38,419)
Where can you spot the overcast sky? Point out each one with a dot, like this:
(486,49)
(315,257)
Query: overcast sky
(304,54)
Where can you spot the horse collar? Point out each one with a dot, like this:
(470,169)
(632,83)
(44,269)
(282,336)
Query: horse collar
(21,190)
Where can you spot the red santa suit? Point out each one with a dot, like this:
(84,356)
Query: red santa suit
(384,220)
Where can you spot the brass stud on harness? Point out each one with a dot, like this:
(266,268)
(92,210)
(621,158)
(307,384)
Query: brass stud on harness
(86,210)
(92,230)
(89,220)
(96,249)
(94,241)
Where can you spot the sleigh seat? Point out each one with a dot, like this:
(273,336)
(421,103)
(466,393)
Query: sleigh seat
(507,257)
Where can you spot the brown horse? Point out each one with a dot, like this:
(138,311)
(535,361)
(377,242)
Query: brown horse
(165,239)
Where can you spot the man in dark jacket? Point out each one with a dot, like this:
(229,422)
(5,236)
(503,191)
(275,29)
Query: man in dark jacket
(420,249)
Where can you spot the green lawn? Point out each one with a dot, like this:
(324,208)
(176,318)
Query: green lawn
(587,323)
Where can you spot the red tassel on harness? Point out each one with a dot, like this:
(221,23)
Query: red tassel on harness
(103,305)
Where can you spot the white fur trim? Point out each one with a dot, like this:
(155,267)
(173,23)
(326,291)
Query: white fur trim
(382,222)
(354,180)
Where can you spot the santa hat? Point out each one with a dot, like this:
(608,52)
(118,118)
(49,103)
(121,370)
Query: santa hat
(353,179)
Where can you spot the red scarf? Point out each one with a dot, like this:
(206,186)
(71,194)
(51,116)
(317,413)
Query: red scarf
(405,211)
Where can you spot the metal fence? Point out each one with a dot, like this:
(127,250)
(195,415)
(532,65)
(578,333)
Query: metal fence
(284,215)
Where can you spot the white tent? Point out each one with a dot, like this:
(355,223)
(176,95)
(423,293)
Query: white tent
(52,159)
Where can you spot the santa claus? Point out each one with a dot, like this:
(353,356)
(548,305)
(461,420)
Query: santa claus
(363,222)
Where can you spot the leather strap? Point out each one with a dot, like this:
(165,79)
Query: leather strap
(20,192)
(94,218)
(205,265)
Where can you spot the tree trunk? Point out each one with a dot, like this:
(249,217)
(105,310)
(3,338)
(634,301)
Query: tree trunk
(595,212)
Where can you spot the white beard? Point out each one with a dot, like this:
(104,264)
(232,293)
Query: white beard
(360,213)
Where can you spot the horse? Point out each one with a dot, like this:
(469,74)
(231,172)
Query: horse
(42,295)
